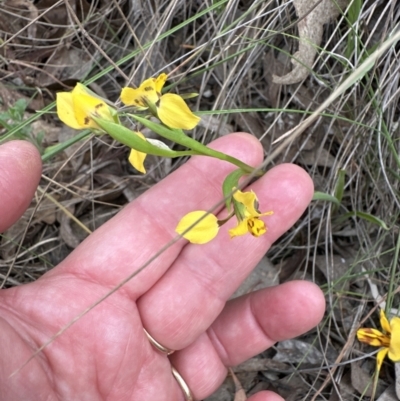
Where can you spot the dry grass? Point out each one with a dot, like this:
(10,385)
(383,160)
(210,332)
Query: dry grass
(227,52)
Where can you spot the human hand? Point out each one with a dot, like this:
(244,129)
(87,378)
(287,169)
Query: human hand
(181,298)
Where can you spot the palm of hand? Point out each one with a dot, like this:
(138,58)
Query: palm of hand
(180,298)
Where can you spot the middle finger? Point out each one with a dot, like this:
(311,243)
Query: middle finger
(201,280)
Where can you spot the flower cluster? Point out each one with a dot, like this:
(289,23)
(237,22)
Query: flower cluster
(79,109)
(83,109)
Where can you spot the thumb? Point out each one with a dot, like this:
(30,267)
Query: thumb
(20,169)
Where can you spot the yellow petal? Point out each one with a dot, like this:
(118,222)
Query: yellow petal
(204,231)
(373,337)
(160,81)
(380,356)
(136,159)
(394,349)
(240,229)
(65,110)
(140,97)
(131,97)
(384,322)
(80,89)
(87,106)
(174,112)
(249,200)
(256,226)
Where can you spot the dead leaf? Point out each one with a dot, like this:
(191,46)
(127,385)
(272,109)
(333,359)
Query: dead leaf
(215,124)
(290,387)
(343,390)
(317,157)
(21,14)
(254,124)
(389,394)
(397,383)
(313,14)
(264,275)
(56,18)
(335,268)
(63,64)
(297,351)
(258,364)
(46,211)
(66,232)
(10,238)
(45,134)
(9,96)
(361,380)
(224,392)
(271,66)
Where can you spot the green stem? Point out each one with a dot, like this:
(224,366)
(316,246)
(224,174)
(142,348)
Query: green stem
(205,150)
(178,136)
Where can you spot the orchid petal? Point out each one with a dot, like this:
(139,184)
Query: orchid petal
(394,349)
(380,356)
(384,322)
(175,113)
(249,200)
(65,110)
(160,82)
(240,229)
(373,337)
(136,158)
(205,229)
(86,106)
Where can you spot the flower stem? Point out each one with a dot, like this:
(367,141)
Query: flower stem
(178,136)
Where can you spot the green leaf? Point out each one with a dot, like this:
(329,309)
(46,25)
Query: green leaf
(231,181)
(365,216)
(322,196)
(188,95)
(339,189)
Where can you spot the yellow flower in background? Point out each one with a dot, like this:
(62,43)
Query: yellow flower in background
(136,158)
(246,209)
(204,231)
(389,339)
(171,108)
(77,108)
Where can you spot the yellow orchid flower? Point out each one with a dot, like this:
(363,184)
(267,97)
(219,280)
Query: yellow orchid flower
(204,231)
(389,339)
(246,204)
(77,108)
(171,109)
(136,158)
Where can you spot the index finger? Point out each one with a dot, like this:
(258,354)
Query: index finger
(133,236)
